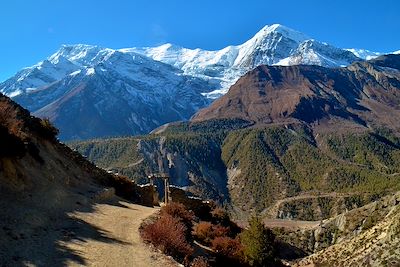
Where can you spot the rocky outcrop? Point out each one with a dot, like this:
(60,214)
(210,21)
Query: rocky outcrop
(184,168)
(367,243)
(363,229)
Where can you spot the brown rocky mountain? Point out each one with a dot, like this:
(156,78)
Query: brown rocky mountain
(362,94)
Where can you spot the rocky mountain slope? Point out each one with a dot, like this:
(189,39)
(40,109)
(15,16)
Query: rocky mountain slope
(366,236)
(41,183)
(362,94)
(88,91)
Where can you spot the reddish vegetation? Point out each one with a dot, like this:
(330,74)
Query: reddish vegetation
(220,216)
(21,124)
(179,211)
(206,232)
(228,248)
(168,234)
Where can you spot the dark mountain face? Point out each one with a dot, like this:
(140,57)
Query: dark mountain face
(363,93)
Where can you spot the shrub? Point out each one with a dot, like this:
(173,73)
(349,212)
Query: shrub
(179,211)
(228,249)
(220,216)
(10,145)
(258,242)
(203,232)
(370,221)
(200,262)
(47,129)
(206,232)
(168,235)
(9,118)
(219,231)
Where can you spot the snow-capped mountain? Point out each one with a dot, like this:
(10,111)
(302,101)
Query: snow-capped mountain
(272,45)
(90,91)
(364,54)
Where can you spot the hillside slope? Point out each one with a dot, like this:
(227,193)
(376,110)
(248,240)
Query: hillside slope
(254,167)
(367,236)
(42,184)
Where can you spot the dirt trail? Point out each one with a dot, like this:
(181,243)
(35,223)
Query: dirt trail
(291,224)
(118,221)
(272,211)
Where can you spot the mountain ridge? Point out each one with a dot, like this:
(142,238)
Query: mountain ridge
(360,93)
(132,91)
(272,45)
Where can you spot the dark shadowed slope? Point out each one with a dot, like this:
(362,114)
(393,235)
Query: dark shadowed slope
(41,183)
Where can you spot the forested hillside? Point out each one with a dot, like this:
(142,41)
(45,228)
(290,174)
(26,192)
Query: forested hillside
(255,166)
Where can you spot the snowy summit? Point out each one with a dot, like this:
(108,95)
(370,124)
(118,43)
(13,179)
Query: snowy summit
(152,86)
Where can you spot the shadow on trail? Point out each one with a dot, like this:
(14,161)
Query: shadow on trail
(40,238)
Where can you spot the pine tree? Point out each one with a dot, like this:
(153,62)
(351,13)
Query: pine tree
(258,242)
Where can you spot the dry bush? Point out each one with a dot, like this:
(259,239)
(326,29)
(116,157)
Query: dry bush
(200,262)
(219,230)
(9,119)
(203,232)
(220,216)
(180,212)
(206,232)
(20,123)
(228,250)
(47,129)
(11,146)
(168,235)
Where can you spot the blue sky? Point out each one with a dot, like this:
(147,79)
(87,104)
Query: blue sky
(31,30)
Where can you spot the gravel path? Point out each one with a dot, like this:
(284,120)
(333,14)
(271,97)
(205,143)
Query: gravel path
(120,245)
